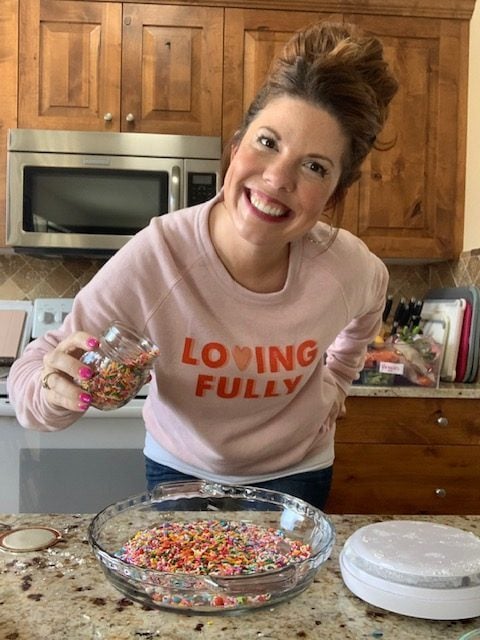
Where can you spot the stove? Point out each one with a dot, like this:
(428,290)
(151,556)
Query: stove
(48,314)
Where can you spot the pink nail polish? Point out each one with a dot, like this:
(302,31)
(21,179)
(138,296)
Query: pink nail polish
(92,343)
(84,373)
(83,406)
(86,398)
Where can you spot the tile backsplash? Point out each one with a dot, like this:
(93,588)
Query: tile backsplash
(25,277)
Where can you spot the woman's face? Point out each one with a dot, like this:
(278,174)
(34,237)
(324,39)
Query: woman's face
(283,171)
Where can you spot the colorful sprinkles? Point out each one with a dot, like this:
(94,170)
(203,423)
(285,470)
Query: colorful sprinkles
(215,548)
(114,383)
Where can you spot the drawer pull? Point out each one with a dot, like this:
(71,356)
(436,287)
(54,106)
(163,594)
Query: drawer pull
(441,493)
(442,421)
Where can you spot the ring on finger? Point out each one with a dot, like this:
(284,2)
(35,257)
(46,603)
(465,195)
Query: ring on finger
(45,378)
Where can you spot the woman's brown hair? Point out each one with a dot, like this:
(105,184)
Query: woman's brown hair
(342,70)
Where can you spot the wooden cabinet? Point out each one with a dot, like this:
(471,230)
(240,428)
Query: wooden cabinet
(8,92)
(253,38)
(409,202)
(407,455)
(110,66)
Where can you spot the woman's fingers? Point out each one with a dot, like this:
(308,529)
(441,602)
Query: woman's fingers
(62,370)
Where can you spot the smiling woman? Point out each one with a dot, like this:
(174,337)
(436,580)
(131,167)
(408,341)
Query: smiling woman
(282,173)
(261,315)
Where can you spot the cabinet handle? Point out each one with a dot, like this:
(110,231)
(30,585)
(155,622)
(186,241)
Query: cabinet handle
(441,493)
(442,421)
(130,117)
(108,117)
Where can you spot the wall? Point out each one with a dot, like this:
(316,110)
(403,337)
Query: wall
(472,192)
(27,278)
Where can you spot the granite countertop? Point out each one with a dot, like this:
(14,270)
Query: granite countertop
(61,593)
(445,390)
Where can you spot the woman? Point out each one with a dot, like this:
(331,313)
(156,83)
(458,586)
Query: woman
(262,313)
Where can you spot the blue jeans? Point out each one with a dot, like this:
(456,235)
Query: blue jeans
(311,486)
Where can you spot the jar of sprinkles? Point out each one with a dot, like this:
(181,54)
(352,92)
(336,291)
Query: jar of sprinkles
(121,365)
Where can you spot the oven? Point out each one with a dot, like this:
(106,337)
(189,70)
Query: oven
(81,469)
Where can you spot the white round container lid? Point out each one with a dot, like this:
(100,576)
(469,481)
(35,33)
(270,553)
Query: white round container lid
(417,553)
(415,568)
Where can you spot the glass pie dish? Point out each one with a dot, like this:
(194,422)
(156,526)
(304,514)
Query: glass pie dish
(300,534)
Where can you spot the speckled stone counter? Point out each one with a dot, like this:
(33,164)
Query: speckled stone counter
(445,390)
(61,593)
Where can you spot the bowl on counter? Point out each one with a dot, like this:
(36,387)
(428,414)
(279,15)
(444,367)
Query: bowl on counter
(210,548)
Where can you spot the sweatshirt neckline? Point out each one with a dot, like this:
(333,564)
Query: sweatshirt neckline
(224,278)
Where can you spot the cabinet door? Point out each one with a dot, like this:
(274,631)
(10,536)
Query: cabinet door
(410,198)
(405,479)
(172,69)
(422,421)
(8,93)
(253,38)
(69,64)
(407,456)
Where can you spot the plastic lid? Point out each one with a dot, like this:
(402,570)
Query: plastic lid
(422,554)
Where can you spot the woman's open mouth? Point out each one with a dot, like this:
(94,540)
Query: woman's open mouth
(267,208)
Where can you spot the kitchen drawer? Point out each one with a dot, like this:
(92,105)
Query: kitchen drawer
(405,479)
(410,421)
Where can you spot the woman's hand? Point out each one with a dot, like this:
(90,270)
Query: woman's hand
(62,366)
(338,410)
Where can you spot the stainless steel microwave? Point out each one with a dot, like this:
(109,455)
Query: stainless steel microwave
(82,192)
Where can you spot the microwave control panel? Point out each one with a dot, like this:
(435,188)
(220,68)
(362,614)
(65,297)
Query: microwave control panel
(201,187)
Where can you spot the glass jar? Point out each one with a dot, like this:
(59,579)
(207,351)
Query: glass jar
(121,365)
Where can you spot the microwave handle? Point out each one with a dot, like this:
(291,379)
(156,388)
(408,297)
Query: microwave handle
(175,188)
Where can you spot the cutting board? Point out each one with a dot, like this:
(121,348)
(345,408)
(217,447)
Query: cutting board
(465,356)
(454,311)
(472,297)
(12,322)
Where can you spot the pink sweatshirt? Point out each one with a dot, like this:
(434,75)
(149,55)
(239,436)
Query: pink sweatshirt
(241,388)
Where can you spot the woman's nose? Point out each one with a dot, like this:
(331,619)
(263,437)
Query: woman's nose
(280,174)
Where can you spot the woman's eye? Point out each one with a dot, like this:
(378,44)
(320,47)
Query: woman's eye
(266,141)
(316,167)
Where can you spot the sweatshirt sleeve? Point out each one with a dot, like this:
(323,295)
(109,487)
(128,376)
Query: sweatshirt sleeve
(112,294)
(346,355)
(25,391)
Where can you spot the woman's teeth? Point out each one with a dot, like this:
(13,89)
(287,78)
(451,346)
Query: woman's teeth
(266,207)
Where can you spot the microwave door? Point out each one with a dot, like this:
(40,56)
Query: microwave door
(96,202)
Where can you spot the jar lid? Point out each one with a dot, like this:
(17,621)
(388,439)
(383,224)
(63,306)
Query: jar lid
(29,539)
